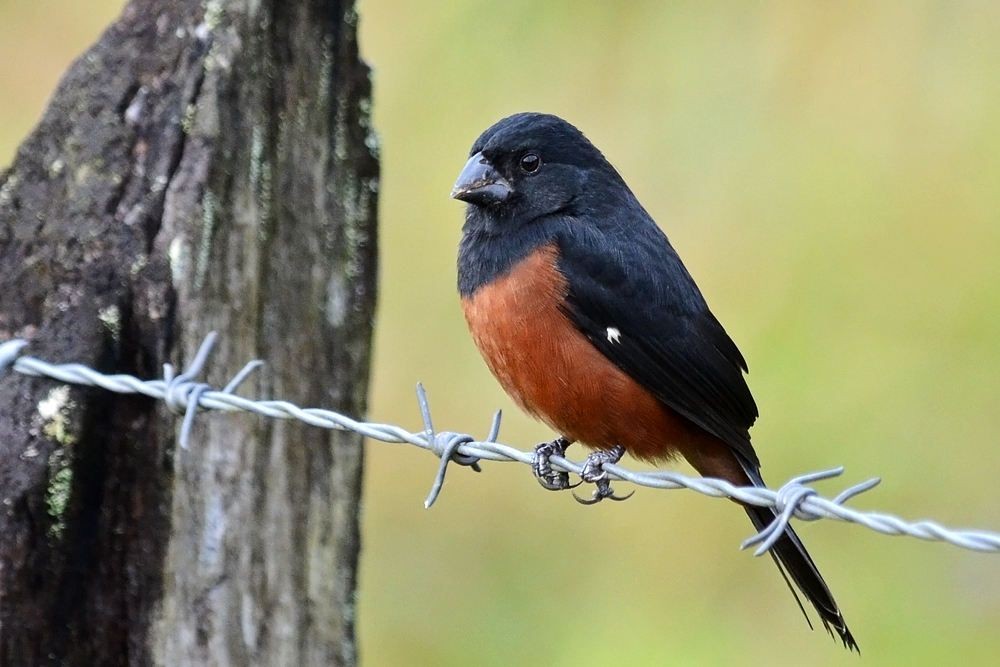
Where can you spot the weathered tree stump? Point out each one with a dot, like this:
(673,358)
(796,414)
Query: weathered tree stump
(205,166)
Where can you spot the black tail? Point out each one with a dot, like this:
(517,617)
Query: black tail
(790,555)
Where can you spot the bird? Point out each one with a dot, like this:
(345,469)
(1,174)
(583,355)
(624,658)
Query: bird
(589,320)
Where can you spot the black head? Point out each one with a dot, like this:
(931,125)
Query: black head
(528,166)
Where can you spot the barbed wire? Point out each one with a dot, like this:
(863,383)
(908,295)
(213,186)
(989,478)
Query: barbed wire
(183,394)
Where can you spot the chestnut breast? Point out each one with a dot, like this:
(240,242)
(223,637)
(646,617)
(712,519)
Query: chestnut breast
(552,371)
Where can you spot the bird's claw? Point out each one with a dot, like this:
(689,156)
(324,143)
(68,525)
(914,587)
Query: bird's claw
(593,471)
(558,482)
(552,480)
(600,494)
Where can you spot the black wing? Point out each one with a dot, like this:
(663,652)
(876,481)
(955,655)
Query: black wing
(631,296)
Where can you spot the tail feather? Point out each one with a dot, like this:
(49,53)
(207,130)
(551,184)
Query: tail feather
(790,555)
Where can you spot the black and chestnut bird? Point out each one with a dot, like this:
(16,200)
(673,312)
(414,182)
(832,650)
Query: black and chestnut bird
(590,321)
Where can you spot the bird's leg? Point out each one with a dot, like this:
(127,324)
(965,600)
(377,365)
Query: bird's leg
(593,471)
(553,480)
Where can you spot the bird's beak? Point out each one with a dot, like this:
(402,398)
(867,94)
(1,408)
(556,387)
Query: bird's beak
(479,183)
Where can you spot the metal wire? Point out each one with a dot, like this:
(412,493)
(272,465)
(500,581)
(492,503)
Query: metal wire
(183,394)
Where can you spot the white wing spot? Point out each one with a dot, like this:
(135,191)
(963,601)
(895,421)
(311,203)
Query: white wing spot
(614,335)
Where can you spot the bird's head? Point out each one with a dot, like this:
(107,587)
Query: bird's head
(528,166)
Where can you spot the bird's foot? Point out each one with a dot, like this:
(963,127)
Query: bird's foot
(553,480)
(593,471)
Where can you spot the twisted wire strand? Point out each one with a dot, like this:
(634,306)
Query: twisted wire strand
(793,500)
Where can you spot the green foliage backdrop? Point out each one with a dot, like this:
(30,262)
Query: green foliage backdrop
(831,174)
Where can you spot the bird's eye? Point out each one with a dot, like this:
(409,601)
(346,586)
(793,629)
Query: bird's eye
(530,162)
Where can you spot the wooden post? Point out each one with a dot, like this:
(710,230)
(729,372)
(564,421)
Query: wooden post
(207,165)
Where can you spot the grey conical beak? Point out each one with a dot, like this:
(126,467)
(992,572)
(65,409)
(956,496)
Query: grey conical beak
(480,184)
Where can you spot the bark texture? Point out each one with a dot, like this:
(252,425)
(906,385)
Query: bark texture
(207,165)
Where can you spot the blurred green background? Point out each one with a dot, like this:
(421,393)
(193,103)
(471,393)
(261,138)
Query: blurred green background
(830,173)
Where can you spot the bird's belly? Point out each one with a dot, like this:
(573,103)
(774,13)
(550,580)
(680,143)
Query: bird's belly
(553,372)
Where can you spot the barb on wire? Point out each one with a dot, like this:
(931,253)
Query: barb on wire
(793,500)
